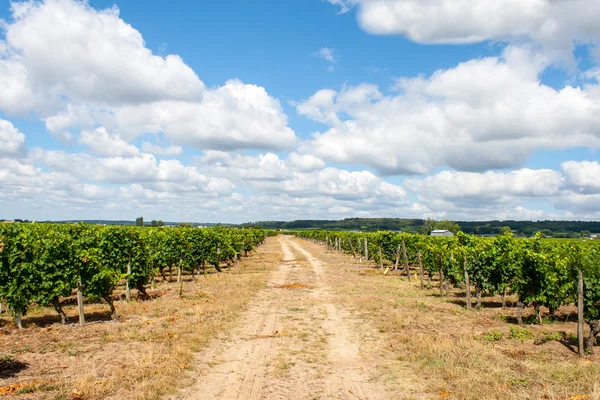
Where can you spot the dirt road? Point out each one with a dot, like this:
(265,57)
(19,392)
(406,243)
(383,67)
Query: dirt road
(295,341)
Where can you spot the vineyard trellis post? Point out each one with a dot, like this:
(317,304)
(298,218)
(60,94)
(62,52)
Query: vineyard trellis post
(420,268)
(80,301)
(127,283)
(366,251)
(467,282)
(441,276)
(406,267)
(351,248)
(380,258)
(580,316)
(358,248)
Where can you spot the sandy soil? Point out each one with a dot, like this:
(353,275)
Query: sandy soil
(294,342)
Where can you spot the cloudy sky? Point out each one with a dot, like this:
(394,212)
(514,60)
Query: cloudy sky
(236,110)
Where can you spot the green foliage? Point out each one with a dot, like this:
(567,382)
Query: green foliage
(492,336)
(541,272)
(548,337)
(43,262)
(521,334)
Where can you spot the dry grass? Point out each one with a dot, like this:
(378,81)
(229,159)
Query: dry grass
(293,286)
(145,354)
(452,352)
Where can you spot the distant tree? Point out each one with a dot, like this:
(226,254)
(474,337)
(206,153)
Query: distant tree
(430,225)
(139,221)
(186,225)
(157,224)
(448,225)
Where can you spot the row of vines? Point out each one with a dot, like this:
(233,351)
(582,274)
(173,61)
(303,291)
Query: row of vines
(42,263)
(538,272)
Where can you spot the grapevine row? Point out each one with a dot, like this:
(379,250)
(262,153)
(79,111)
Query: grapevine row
(42,263)
(540,273)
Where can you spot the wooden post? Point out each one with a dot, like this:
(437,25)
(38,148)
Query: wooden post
(397,258)
(127,285)
(441,277)
(351,247)
(327,240)
(179,279)
(580,316)
(19,320)
(467,283)
(406,268)
(366,251)
(380,258)
(80,301)
(420,269)
(358,248)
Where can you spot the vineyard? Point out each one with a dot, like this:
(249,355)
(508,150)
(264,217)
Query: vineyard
(42,263)
(539,273)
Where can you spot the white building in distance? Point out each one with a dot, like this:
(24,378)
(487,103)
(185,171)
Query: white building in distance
(441,233)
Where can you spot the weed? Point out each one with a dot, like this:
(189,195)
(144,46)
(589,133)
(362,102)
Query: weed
(548,337)
(521,334)
(493,336)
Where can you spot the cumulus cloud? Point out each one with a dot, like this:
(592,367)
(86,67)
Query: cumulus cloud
(556,25)
(488,186)
(491,113)
(582,177)
(159,150)
(107,78)
(102,143)
(305,162)
(12,142)
(105,61)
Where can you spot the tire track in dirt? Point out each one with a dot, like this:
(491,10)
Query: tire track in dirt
(236,369)
(289,344)
(349,375)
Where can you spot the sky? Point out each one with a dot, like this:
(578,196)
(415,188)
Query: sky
(235,111)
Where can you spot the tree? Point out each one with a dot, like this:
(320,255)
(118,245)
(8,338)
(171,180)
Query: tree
(429,226)
(139,221)
(448,225)
(157,224)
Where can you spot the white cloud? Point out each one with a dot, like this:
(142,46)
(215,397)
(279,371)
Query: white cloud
(234,116)
(327,54)
(488,186)
(305,162)
(582,176)
(102,143)
(491,113)
(156,149)
(79,68)
(12,142)
(522,214)
(557,25)
(330,55)
(105,61)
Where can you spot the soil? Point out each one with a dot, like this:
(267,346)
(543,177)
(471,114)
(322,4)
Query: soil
(291,344)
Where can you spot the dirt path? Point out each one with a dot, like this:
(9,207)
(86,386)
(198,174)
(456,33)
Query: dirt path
(293,342)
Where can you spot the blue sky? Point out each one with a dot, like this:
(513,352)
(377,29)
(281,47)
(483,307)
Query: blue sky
(234,111)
